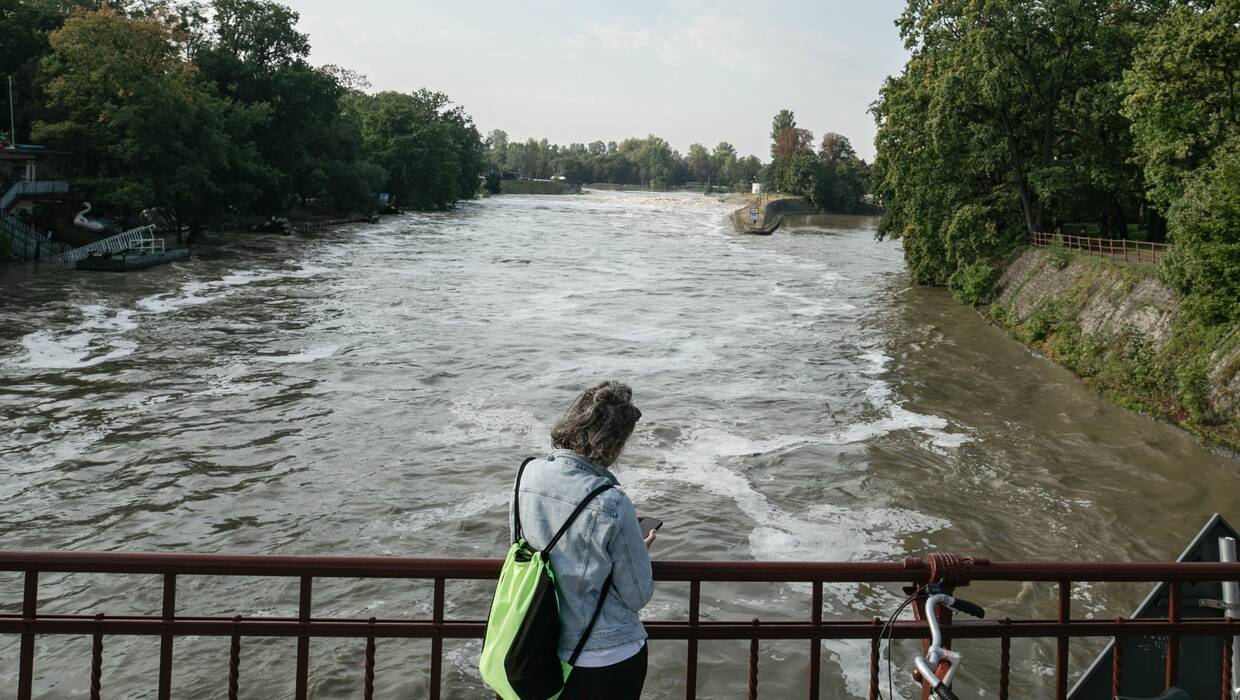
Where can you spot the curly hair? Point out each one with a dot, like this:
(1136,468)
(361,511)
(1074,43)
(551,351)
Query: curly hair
(598,423)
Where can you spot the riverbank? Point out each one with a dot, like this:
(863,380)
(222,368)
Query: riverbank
(1124,333)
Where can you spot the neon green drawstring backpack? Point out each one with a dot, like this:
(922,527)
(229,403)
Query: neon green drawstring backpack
(520,660)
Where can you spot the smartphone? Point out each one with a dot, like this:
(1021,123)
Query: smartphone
(647,524)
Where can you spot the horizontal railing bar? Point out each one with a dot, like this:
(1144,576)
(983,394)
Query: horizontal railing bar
(913,570)
(658,629)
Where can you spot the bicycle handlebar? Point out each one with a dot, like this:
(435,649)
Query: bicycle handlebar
(967,608)
(936,654)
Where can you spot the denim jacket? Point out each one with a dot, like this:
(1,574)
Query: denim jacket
(605,538)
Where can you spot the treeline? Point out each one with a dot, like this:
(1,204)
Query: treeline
(648,162)
(833,178)
(1014,117)
(210,111)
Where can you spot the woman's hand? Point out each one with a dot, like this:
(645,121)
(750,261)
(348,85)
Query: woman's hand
(649,539)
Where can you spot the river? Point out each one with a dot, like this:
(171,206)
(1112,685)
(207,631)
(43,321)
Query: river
(370,391)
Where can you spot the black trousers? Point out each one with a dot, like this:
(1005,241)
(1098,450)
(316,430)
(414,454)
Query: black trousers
(622,681)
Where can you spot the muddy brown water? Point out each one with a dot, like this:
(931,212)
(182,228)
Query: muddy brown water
(370,391)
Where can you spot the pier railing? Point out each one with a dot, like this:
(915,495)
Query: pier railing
(140,238)
(950,570)
(25,243)
(1114,248)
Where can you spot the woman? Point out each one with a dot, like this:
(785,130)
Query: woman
(605,540)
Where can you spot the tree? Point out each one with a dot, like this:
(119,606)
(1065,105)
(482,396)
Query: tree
(1184,94)
(1184,103)
(724,161)
(836,149)
(144,131)
(497,148)
(430,149)
(783,121)
(253,54)
(747,171)
(27,24)
(799,173)
(700,163)
(1004,122)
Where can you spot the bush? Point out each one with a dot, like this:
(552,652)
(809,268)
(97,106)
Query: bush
(973,283)
(1194,385)
(1058,254)
(493,183)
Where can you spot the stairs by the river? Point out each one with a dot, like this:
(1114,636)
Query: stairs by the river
(26,244)
(31,188)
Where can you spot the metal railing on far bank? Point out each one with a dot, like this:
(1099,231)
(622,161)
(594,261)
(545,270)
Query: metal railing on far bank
(310,623)
(1114,248)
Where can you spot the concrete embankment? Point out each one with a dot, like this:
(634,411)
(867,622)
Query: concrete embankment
(1126,334)
(771,212)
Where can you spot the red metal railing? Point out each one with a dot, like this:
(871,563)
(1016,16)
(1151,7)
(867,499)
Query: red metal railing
(1131,251)
(950,570)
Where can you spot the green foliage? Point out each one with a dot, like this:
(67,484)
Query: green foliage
(973,283)
(647,162)
(1010,109)
(1205,224)
(212,110)
(145,130)
(1184,93)
(1194,386)
(1058,254)
(492,183)
(430,149)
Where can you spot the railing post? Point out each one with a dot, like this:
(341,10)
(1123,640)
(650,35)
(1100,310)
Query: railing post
(753,662)
(1005,661)
(437,640)
(875,643)
(695,596)
(303,639)
(1061,645)
(30,600)
(165,640)
(234,660)
(1173,635)
(815,649)
(96,659)
(1117,662)
(368,671)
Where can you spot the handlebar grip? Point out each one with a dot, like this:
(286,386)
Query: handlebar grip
(968,608)
(942,692)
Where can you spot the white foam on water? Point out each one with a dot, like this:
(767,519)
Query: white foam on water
(90,342)
(307,355)
(813,306)
(202,292)
(824,532)
(880,396)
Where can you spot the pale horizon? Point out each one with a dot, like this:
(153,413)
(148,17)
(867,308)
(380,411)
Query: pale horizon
(685,71)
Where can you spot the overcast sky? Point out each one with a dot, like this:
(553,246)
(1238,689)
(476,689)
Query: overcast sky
(580,71)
